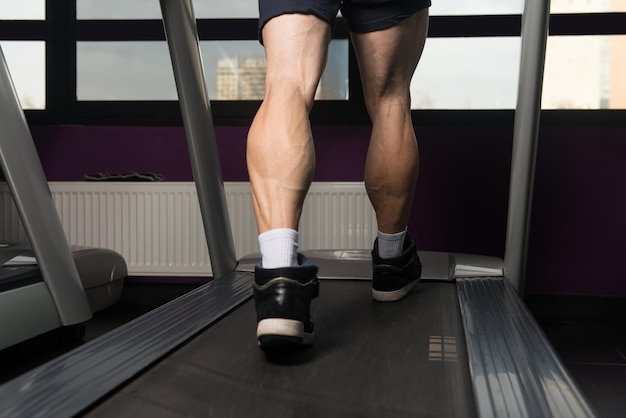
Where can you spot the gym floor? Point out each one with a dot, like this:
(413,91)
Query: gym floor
(593,350)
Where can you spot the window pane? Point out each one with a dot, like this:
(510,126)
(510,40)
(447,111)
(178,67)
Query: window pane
(22,10)
(476,7)
(117,9)
(585,72)
(467,73)
(26,61)
(234,9)
(234,70)
(150,9)
(241,71)
(587,6)
(486,7)
(124,71)
(334,83)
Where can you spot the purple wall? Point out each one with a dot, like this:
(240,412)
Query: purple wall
(578,232)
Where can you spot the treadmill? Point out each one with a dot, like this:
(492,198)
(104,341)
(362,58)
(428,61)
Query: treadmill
(44,285)
(461,345)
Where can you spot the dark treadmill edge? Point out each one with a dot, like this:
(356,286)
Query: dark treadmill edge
(13,277)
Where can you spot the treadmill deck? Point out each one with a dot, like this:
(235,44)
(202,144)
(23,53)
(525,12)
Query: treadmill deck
(405,358)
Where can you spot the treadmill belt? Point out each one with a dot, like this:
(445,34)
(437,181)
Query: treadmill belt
(406,358)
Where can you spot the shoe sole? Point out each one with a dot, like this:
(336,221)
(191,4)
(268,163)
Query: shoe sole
(394,295)
(282,333)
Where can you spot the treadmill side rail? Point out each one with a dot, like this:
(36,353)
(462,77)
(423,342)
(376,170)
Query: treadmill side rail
(515,370)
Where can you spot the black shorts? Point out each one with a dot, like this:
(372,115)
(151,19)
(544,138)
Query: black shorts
(361,16)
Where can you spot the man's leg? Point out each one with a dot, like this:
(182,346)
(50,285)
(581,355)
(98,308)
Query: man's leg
(281,156)
(281,163)
(387,60)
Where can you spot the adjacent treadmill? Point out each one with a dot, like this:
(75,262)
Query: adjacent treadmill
(52,286)
(461,345)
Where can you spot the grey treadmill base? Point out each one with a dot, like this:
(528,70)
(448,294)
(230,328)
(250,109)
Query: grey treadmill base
(101,271)
(35,310)
(356,265)
(102,274)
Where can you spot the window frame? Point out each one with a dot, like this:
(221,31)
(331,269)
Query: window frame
(62,30)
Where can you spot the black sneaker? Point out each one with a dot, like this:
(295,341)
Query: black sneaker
(282,298)
(393,278)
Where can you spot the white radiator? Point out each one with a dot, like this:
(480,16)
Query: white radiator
(157,227)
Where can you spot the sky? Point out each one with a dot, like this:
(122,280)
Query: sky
(453,73)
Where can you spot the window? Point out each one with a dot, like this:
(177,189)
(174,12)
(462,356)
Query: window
(476,7)
(504,7)
(234,70)
(121,55)
(91,61)
(585,72)
(26,62)
(587,6)
(149,9)
(25,54)
(22,10)
(467,73)
(124,71)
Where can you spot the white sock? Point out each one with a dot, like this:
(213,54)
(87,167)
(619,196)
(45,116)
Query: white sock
(390,245)
(279,248)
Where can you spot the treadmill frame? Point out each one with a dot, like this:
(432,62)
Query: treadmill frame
(24,174)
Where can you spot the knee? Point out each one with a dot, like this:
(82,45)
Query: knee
(290,93)
(388,101)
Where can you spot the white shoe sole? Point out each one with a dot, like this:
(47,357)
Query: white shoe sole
(393,295)
(289,330)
